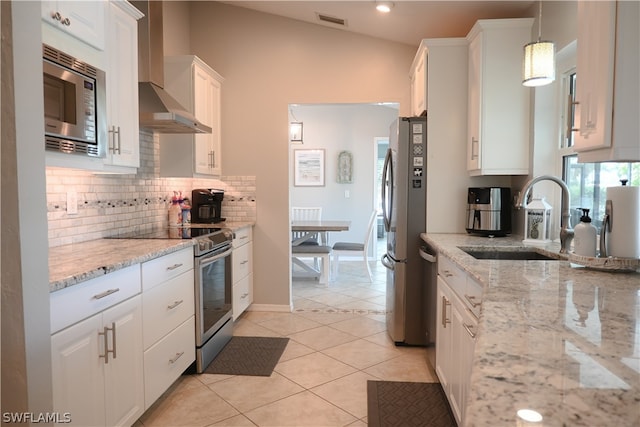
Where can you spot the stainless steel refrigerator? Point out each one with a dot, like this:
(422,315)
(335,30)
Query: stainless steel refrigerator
(404,191)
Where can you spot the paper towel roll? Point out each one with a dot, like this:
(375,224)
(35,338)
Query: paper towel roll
(624,238)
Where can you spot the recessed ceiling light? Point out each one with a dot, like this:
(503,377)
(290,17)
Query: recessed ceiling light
(384,6)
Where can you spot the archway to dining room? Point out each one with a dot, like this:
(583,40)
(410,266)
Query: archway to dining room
(326,138)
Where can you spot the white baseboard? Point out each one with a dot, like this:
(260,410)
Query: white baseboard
(271,307)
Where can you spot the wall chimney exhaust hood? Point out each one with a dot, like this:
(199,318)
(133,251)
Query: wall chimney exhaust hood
(159,111)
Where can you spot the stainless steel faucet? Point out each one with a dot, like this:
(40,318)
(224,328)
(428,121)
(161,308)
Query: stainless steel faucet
(566,233)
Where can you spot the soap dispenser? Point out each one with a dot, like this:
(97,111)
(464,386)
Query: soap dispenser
(584,239)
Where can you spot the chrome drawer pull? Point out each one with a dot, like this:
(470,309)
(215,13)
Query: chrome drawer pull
(472,300)
(475,316)
(106,293)
(244,296)
(175,359)
(175,304)
(445,303)
(244,262)
(174,266)
(469,331)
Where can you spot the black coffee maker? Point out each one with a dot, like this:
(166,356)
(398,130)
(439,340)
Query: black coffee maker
(206,205)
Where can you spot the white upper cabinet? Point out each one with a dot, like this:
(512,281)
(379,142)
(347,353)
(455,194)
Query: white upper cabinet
(197,87)
(498,110)
(608,87)
(83,20)
(122,86)
(419,82)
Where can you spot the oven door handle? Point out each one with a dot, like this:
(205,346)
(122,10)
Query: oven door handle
(209,259)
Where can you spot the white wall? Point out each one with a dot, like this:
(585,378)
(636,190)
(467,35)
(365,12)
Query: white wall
(269,62)
(334,128)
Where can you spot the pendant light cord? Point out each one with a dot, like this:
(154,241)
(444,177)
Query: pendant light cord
(540,20)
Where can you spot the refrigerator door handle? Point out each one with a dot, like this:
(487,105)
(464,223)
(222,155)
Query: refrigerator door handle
(387,261)
(387,183)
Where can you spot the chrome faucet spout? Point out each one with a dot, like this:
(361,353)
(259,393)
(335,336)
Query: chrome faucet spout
(566,232)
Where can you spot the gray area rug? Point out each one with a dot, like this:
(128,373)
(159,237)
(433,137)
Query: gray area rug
(391,403)
(255,356)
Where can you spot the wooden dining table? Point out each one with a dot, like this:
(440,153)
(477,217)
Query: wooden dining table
(308,229)
(322,227)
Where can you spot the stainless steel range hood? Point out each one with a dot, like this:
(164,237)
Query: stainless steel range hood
(159,111)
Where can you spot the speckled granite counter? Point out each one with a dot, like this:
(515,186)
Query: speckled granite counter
(562,341)
(75,263)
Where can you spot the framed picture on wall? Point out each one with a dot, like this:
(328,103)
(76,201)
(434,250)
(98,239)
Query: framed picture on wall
(308,168)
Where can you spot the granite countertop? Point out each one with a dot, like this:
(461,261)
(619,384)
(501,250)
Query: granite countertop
(553,338)
(78,262)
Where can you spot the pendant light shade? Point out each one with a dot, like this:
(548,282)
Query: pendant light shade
(538,65)
(539,62)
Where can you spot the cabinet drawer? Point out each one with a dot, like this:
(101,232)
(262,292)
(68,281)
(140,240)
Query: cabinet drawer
(72,304)
(165,361)
(455,277)
(241,262)
(166,306)
(242,236)
(242,295)
(166,267)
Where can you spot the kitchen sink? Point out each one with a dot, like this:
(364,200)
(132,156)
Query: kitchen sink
(522,254)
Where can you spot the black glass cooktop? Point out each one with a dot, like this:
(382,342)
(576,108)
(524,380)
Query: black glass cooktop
(168,233)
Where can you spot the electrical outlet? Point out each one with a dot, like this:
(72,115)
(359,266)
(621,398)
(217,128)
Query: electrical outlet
(72,202)
(347,194)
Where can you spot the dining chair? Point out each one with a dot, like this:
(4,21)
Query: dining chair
(350,248)
(306,214)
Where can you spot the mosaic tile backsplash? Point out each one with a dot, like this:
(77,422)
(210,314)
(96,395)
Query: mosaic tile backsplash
(113,204)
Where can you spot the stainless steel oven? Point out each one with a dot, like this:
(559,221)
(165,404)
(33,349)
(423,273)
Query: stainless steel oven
(214,324)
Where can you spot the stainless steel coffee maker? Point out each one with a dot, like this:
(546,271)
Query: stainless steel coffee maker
(489,211)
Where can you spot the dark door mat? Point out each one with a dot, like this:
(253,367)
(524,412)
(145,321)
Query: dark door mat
(255,356)
(391,403)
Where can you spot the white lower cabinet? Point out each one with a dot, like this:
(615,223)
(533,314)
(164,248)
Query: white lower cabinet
(168,321)
(97,367)
(456,332)
(242,271)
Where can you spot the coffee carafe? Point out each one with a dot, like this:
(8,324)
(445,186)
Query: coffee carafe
(620,234)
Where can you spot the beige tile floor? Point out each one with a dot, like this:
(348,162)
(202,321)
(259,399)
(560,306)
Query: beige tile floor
(338,341)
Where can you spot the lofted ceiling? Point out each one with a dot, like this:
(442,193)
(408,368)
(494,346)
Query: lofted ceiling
(408,22)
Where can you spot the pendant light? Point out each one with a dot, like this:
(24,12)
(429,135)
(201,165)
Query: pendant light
(539,63)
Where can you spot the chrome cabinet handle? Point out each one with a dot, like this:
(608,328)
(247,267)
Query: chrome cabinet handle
(106,342)
(174,266)
(473,314)
(106,293)
(472,300)
(468,329)
(474,145)
(244,295)
(244,262)
(56,16)
(119,140)
(66,22)
(444,319)
(176,357)
(175,304)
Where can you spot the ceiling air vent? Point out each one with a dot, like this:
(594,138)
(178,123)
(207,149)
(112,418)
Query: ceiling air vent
(331,19)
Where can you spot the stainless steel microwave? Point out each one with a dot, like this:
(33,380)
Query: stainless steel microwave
(74,104)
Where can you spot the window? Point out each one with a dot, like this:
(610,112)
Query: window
(587,182)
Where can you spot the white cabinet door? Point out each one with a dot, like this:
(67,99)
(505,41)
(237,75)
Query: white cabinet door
(122,86)
(443,335)
(242,271)
(84,20)
(124,383)
(198,88)
(608,88)
(78,378)
(419,83)
(99,387)
(498,111)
